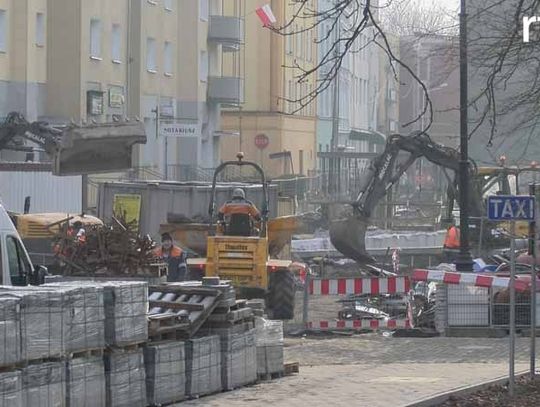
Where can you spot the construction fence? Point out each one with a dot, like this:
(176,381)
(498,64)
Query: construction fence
(433,299)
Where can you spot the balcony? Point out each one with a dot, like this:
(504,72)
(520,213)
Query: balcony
(226,89)
(228,31)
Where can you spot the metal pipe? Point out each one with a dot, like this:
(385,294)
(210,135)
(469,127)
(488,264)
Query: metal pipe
(532,252)
(512,324)
(464,261)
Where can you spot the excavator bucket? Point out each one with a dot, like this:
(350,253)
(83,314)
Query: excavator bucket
(348,237)
(97,148)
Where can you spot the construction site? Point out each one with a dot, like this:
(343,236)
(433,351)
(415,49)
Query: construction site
(266,203)
(269,275)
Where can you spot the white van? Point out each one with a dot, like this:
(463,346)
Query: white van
(15,265)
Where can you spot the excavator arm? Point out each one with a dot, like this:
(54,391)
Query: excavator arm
(348,234)
(76,150)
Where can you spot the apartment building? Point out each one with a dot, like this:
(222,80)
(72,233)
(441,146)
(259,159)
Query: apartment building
(158,60)
(23,53)
(268,128)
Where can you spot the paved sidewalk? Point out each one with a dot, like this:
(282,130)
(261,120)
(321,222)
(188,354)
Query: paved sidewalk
(376,371)
(387,385)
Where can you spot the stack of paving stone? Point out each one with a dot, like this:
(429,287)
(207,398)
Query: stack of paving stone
(85,382)
(126,307)
(203,366)
(85,328)
(269,341)
(238,359)
(45,313)
(125,378)
(44,384)
(10,331)
(11,394)
(165,365)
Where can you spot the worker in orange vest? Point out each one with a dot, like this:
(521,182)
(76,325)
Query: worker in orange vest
(451,243)
(239,205)
(174,257)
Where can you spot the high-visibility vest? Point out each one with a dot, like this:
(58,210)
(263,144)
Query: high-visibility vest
(452,239)
(174,252)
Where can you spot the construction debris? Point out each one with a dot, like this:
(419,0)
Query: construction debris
(113,250)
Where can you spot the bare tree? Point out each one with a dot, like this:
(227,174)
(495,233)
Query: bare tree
(349,21)
(504,71)
(412,17)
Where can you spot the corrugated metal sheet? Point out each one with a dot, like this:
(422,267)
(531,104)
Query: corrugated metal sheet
(48,192)
(159,198)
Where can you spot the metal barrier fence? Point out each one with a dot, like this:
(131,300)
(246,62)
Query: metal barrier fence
(369,303)
(457,300)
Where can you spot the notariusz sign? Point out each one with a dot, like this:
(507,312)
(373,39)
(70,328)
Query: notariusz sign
(510,207)
(176,129)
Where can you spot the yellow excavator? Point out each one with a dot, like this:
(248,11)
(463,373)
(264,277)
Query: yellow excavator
(243,258)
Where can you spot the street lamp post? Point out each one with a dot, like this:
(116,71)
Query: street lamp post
(464,260)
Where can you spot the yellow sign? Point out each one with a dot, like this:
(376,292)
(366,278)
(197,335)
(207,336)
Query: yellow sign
(128,208)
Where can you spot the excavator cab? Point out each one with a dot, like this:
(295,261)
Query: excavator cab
(97,148)
(235,253)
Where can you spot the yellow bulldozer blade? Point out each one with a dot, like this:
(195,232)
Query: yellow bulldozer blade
(348,236)
(97,148)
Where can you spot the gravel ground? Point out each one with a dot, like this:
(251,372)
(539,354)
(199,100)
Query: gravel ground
(527,394)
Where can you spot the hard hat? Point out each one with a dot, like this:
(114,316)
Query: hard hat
(239,193)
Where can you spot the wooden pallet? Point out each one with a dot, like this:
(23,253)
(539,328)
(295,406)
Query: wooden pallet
(239,304)
(125,348)
(263,377)
(291,368)
(168,325)
(86,353)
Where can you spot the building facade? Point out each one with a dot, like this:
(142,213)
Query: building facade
(357,90)
(157,60)
(23,55)
(434,60)
(288,135)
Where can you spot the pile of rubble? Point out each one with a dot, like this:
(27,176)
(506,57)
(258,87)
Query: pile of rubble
(114,250)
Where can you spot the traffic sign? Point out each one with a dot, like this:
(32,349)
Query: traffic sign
(261,141)
(510,207)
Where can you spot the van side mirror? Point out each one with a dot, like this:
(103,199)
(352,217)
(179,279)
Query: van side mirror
(38,275)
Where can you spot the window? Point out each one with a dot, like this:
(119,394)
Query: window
(95,38)
(17,260)
(151,55)
(203,9)
(116,46)
(168,5)
(203,66)
(3,31)
(167,58)
(40,29)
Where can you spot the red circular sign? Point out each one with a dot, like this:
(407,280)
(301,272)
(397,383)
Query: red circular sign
(261,141)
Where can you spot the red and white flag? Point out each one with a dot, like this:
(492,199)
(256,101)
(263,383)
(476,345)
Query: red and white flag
(266,15)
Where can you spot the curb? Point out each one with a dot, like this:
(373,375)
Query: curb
(434,401)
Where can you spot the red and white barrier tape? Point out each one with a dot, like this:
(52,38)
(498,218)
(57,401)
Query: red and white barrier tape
(450,277)
(372,286)
(372,324)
